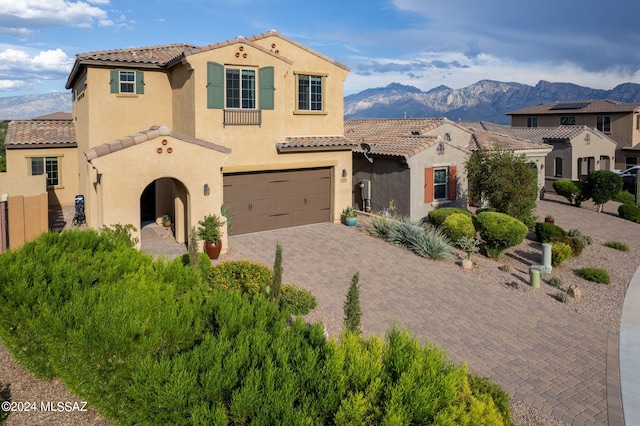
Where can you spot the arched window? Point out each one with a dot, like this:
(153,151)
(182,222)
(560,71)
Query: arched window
(558,167)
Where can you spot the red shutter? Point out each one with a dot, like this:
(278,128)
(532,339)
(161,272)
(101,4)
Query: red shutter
(453,184)
(428,185)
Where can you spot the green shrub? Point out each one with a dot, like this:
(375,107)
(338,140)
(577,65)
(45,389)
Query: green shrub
(431,244)
(561,297)
(483,385)
(625,197)
(617,245)
(351,307)
(248,277)
(595,275)
(296,300)
(458,225)
(602,186)
(555,282)
(500,231)
(629,212)
(424,241)
(584,239)
(380,227)
(438,216)
(576,245)
(574,191)
(559,253)
(404,231)
(546,232)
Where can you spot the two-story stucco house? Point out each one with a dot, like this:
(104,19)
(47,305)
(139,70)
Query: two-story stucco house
(254,124)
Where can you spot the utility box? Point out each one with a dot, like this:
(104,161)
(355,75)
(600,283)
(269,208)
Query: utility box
(365,187)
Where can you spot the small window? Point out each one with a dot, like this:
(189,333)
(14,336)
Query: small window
(127,82)
(568,121)
(310,92)
(558,167)
(532,121)
(48,165)
(440,184)
(241,88)
(603,123)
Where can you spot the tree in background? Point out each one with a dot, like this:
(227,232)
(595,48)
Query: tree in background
(504,181)
(352,311)
(603,186)
(3,151)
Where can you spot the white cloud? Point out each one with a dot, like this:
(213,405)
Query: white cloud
(20,69)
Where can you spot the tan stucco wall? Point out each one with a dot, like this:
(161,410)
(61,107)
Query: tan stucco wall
(27,207)
(126,173)
(18,165)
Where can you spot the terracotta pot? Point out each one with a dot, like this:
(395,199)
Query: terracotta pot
(167,224)
(212,250)
(550,220)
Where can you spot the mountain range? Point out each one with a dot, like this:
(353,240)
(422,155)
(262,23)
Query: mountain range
(486,100)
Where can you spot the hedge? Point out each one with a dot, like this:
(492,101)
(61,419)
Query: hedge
(574,191)
(500,231)
(458,225)
(438,216)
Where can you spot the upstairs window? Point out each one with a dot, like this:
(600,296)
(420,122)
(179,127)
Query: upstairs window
(568,121)
(532,121)
(310,92)
(48,165)
(127,82)
(603,123)
(240,88)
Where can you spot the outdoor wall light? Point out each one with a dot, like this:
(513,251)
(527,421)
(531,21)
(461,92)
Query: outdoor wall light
(440,148)
(207,190)
(344,173)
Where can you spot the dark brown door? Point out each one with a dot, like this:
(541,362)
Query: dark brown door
(269,200)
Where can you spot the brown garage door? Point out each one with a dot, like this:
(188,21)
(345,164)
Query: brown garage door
(279,199)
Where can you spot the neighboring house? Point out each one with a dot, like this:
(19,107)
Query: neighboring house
(577,150)
(414,165)
(617,120)
(253,123)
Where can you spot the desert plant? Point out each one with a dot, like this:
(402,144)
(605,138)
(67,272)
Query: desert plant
(576,245)
(228,214)
(574,191)
(629,212)
(602,186)
(559,253)
(555,282)
(352,310)
(595,275)
(404,231)
(624,197)
(504,268)
(437,216)
(617,245)
(561,297)
(500,231)
(547,232)
(468,245)
(431,244)
(276,282)
(348,213)
(584,239)
(296,300)
(380,227)
(209,228)
(458,225)
(193,248)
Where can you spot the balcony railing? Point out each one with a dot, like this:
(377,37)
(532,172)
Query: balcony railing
(242,117)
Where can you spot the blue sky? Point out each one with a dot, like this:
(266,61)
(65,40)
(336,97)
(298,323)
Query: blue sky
(423,43)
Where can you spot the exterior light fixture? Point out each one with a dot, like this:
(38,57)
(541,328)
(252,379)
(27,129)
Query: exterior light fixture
(587,139)
(344,173)
(440,148)
(207,190)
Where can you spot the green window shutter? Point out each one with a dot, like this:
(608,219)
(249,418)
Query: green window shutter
(266,88)
(115,81)
(139,82)
(215,85)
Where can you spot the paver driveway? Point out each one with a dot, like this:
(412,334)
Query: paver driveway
(539,356)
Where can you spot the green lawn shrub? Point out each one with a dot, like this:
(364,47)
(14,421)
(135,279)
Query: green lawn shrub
(595,275)
(152,342)
(617,245)
(629,212)
(625,197)
(555,282)
(248,277)
(586,240)
(296,300)
(547,232)
(500,231)
(458,225)
(438,216)
(574,191)
(559,253)
(576,245)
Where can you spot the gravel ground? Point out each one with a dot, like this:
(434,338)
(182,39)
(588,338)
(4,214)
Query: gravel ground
(599,303)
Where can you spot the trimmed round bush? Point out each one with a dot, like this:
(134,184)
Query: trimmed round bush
(248,277)
(437,216)
(559,253)
(500,231)
(546,232)
(458,225)
(595,275)
(629,212)
(297,300)
(574,191)
(625,197)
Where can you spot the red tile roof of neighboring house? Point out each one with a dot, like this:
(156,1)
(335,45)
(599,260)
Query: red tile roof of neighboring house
(55,116)
(578,107)
(315,143)
(146,135)
(489,140)
(40,134)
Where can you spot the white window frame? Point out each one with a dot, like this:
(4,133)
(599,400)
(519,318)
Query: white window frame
(127,85)
(532,121)
(568,120)
(603,123)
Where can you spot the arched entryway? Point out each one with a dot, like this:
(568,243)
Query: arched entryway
(165,196)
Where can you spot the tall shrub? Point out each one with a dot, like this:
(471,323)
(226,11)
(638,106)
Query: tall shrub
(574,191)
(603,186)
(500,231)
(352,310)
(276,283)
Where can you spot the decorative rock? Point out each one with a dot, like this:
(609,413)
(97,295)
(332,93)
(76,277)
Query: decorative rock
(574,291)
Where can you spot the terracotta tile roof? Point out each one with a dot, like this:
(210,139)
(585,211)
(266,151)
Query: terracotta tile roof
(144,136)
(393,137)
(578,107)
(488,140)
(55,116)
(40,134)
(315,143)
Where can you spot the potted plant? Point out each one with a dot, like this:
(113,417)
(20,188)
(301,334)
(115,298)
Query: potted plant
(468,245)
(166,221)
(209,231)
(349,216)
(549,219)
